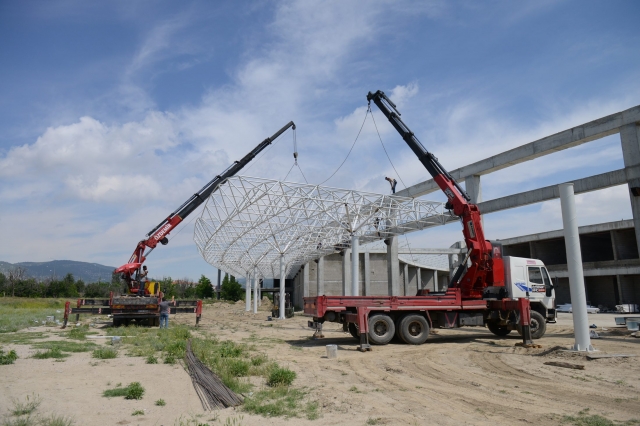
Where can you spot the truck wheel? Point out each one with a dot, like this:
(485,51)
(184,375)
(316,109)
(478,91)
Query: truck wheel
(538,325)
(498,330)
(414,329)
(381,329)
(353,330)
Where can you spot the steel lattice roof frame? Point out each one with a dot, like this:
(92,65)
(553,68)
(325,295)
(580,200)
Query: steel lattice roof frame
(250,222)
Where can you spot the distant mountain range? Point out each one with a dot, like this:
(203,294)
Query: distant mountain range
(87,272)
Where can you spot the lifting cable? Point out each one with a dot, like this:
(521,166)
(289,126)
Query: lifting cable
(295,158)
(385,149)
(354,144)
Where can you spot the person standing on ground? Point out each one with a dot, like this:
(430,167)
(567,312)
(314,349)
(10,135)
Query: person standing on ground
(393,184)
(164,312)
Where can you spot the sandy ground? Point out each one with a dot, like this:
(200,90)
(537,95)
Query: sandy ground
(465,376)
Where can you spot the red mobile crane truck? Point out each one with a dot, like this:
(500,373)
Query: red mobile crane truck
(487,289)
(142,303)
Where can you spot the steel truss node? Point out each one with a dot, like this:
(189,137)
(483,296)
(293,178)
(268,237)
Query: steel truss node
(252,222)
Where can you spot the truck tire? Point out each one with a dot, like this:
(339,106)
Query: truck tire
(498,330)
(381,329)
(538,325)
(353,330)
(414,329)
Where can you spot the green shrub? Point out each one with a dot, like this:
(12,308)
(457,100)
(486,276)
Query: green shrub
(169,359)
(134,391)
(55,420)
(78,333)
(229,349)
(257,361)
(152,359)
(281,377)
(237,367)
(160,403)
(138,413)
(105,353)
(8,358)
(281,401)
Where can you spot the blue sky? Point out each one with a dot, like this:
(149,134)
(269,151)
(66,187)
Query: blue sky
(113,113)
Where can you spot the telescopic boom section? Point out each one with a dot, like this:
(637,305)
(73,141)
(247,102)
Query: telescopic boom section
(487,267)
(160,232)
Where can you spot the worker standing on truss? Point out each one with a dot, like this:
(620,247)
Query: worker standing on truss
(393,184)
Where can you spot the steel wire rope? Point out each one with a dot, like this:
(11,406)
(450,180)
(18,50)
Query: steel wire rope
(385,149)
(354,144)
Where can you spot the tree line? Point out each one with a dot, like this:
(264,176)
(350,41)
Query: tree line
(16,283)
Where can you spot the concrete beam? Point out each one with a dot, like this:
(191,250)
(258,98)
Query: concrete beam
(630,139)
(592,183)
(423,251)
(588,229)
(570,138)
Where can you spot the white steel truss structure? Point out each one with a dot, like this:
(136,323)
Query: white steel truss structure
(253,223)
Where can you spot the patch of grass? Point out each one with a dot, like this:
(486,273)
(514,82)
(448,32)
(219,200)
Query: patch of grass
(138,413)
(373,421)
(281,401)
(20,338)
(32,402)
(132,391)
(151,359)
(79,333)
(50,353)
(65,346)
(281,377)
(17,313)
(8,358)
(258,360)
(354,389)
(583,418)
(55,420)
(105,353)
(169,359)
(160,403)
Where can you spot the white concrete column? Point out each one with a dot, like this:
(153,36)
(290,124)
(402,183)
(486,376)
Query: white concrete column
(367,274)
(346,273)
(435,281)
(355,266)
(255,290)
(320,277)
(305,282)
(259,294)
(393,266)
(407,280)
(283,279)
(630,139)
(247,292)
(574,265)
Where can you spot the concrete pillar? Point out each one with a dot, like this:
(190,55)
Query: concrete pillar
(393,266)
(320,277)
(574,266)
(254,279)
(631,155)
(355,266)
(367,274)
(435,281)
(305,280)
(473,188)
(405,272)
(247,292)
(283,280)
(346,273)
(219,284)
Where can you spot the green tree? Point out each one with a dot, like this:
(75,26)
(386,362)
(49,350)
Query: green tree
(167,287)
(231,289)
(204,288)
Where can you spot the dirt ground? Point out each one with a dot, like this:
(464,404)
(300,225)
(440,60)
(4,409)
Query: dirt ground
(464,376)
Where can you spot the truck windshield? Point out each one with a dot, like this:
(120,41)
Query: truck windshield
(535,276)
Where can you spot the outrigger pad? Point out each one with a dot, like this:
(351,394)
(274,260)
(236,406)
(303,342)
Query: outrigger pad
(364,343)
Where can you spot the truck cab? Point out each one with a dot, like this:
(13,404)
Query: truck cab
(529,278)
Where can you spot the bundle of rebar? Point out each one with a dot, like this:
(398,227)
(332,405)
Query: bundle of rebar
(210,389)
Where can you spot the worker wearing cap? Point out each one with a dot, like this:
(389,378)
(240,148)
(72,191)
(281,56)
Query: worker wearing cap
(393,184)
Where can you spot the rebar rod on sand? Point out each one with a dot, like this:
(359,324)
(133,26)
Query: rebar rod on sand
(210,389)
